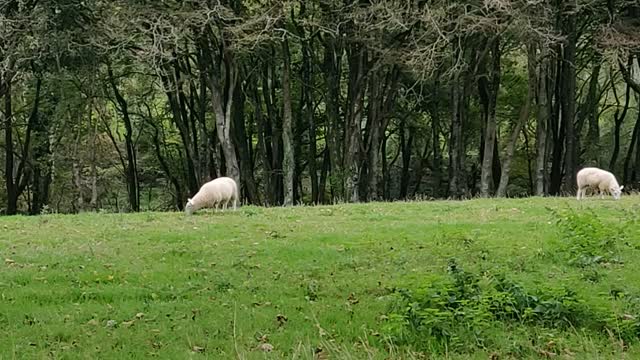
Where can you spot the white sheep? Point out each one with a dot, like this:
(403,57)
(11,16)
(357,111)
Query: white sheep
(600,180)
(216,192)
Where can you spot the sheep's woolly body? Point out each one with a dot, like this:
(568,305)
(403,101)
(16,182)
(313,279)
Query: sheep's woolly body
(217,192)
(599,179)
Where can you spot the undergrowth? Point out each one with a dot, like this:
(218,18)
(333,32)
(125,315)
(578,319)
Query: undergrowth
(587,240)
(460,311)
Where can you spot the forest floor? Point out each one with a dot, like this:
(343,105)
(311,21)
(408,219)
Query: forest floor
(522,278)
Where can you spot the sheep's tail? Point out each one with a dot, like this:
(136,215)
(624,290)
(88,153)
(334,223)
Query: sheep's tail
(235,197)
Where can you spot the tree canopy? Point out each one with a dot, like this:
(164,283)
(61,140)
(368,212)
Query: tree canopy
(130,105)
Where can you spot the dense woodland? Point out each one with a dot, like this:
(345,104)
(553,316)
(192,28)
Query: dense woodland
(130,105)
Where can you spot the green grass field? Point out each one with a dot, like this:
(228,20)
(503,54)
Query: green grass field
(313,282)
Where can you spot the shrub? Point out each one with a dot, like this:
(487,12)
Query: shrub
(586,239)
(459,312)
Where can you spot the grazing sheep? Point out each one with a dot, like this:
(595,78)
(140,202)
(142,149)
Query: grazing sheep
(598,179)
(216,192)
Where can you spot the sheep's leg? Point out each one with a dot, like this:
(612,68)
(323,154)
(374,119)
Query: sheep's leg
(579,192)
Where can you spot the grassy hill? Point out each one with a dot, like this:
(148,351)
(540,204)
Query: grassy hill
(497,278)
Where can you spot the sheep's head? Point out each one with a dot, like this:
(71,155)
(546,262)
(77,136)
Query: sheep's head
(188,208)
(616,191)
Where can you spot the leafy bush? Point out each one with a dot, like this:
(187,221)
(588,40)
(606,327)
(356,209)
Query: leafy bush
(586,239)
(458,312)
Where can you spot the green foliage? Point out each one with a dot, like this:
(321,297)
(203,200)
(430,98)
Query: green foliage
(586,239)
(166,56)
(458,312)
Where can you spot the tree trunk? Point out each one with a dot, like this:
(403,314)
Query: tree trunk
(522,120)
(207,163)
(12,191)
(332,69)
(422,164)
(406,146)
(568,95)
(357,87)
(288,164)
(77,182)
(42,158)
(589,111)
(94,161)
(632,145)
(558,131)
(76,169)
(388,165)
(307,100)
(636,168)
(243,143)
(42,174)
(189,113)
(631,173)
(618,120)
(527,150)
(297,129)
(307,109)
(386,177)
(491,93)
(22,175)
(456,143)
(164,166)
(506,166)
(263,147)
(556,163)
(496,167)
(222,102)
(273,128)
(313,150)
(627,73)
(131,171)
(192,125)
(172,84)
(188,159)
(373,127)
(326,165)
(541,122)
(436,173)
(382,95)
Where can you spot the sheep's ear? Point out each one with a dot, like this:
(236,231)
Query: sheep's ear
(189,201)
(621,187)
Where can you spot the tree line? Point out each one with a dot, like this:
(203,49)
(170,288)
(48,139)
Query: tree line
(129,105)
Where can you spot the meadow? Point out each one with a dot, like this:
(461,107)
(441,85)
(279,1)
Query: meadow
(476,279)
